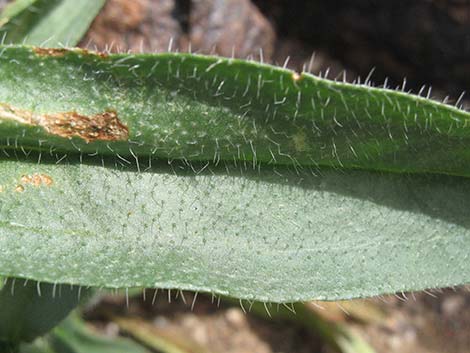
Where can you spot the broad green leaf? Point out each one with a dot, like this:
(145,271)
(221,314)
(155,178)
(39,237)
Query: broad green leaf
(51,22)
(226,176)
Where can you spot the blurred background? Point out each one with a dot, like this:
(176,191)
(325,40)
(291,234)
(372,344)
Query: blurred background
(425,42)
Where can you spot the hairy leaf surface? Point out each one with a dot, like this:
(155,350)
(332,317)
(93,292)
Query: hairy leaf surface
(226,176)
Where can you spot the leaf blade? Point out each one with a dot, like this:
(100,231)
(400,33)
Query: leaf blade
(74,336)
(252,236)
(55,22)
(182,106)
(223,217)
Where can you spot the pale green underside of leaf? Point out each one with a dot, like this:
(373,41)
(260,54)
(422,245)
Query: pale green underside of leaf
(47,22)
(272,232)
(255,235)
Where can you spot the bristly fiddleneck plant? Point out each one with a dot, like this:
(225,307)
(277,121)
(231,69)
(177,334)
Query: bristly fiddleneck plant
(222,175)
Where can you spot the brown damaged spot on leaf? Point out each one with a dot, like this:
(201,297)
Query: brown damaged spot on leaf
(58,52)
(99,127)
(92,53)
(104,126)
(50,51)
(37,180)
(296,77)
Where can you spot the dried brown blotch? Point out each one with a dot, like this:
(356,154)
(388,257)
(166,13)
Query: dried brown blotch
(58,52)
(50,51)
(19,188)
(46,179)
(104,126)
(296,77)
(37,179)
(102,55)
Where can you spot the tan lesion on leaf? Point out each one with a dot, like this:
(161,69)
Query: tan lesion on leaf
(50,51)
(37,180)
(58,52)
(296,77)
(300,141)
(104,126)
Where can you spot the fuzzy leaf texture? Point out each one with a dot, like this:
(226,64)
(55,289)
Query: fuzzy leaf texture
(226,176)
(47,22)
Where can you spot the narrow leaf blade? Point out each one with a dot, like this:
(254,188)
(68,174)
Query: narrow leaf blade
(73,336)
(51,22)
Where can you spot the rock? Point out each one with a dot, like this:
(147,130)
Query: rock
(453,305)
(229,27)
(426,41)
(235,317)
(135,25)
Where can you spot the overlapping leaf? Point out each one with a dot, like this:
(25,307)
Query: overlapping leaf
(226,176)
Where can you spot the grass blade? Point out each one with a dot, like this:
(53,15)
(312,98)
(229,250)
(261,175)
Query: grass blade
(73,336)
(51,22)
(156,338)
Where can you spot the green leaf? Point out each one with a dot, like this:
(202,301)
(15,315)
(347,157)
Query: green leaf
(156,338)
(226,176)
(196,108)
(51,22)
(30,309)
(72,336)
(40,345)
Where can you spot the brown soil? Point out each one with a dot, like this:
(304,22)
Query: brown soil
(437,322)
